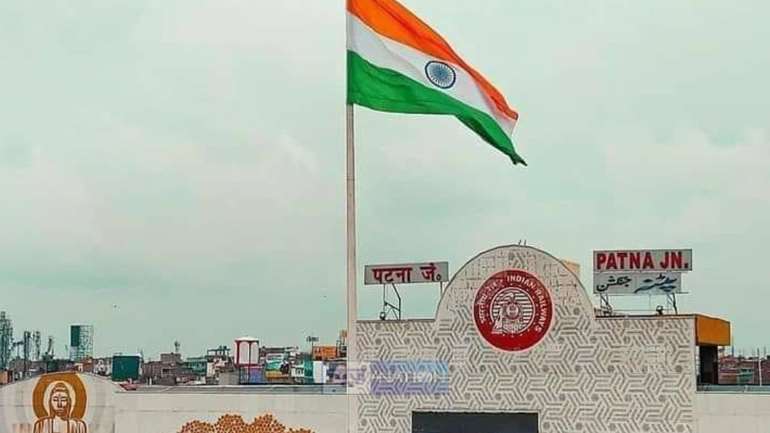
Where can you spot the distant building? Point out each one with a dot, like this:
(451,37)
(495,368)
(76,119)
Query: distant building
(6,340)
(171,358)
(81,342)
(325,353)
(744,371)
(158,373)
(199,366)
(102,366)
(342,344)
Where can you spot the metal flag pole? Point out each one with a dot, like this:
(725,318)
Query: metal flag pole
(351,235)
(352,297)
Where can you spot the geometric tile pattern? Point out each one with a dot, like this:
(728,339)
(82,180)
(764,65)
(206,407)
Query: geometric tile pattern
(589,374)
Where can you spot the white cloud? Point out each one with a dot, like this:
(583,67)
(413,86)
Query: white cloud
(699,185)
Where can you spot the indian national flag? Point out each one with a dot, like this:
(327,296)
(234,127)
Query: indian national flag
(397,63)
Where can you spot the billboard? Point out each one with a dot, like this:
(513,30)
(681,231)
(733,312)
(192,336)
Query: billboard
(407,273)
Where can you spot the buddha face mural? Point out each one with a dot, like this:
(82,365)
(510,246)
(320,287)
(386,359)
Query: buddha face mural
(59,402)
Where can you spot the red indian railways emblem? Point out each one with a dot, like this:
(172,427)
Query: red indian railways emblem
(513,310)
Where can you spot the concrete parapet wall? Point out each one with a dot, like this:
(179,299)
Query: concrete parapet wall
(138,412)
(732,412)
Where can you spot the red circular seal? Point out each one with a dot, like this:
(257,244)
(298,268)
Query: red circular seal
(513,310)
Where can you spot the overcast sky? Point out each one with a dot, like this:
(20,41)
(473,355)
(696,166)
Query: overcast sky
(175,170)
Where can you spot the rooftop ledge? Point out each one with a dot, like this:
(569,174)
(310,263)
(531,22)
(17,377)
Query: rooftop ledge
(734,389)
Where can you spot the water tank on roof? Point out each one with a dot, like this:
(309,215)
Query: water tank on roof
(246,352)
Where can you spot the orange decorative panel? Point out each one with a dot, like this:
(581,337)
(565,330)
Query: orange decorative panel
(235,424)
(710,331)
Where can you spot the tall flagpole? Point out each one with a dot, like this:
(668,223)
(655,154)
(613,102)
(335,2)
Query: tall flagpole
(352,281)
(351,232)
(352,296)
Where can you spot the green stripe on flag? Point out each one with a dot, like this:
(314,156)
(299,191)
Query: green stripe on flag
(386,90)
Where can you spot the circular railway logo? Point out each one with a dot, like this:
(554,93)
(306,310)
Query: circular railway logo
(440,74)
(513,310)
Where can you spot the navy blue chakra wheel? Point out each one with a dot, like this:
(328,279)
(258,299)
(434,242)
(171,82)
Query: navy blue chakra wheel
(440,74)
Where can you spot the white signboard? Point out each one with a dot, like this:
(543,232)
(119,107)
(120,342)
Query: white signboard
(642,261)
(407,273)
(637,283)
(298,372)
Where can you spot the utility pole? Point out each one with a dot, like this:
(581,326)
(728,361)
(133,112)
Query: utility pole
(312,340)
(26,341)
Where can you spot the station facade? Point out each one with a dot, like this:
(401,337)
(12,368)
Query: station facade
(561,369)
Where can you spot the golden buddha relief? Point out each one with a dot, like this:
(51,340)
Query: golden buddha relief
(59,401)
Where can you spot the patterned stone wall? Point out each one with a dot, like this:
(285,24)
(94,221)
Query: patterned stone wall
(589,374)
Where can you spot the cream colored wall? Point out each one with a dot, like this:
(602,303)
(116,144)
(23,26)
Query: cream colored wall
(732,413)
(139,412)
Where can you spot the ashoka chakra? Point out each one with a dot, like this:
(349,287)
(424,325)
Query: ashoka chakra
(440,74)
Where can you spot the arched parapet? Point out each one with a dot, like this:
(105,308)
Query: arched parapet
(571,311)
